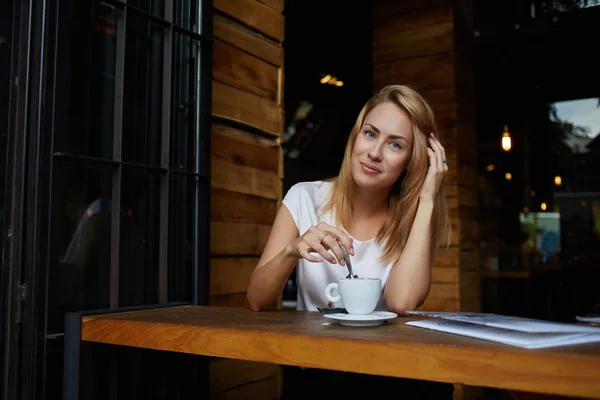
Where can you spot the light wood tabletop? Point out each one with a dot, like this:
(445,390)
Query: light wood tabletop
(394,349)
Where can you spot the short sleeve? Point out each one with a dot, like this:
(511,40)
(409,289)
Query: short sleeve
(293,202)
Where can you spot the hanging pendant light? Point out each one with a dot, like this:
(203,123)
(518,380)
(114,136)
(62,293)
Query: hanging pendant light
(506,139)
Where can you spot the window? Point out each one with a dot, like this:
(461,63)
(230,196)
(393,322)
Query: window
(109,162)
(130,170)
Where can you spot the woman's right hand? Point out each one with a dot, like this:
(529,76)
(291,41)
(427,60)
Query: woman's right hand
(319,239)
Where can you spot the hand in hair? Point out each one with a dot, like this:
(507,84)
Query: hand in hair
(436,172)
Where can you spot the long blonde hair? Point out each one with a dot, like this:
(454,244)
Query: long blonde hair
(404,197)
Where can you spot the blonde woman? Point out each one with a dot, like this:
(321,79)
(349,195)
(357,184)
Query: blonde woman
(387,206)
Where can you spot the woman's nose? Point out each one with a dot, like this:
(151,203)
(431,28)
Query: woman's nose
(375,153)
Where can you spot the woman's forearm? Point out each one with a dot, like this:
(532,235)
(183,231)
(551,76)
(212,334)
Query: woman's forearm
(410,279)
(267,281)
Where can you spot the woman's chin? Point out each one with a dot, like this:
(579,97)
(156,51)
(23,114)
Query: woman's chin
(368,182)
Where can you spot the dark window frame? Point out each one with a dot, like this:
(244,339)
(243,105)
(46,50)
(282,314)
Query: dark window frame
(33,161)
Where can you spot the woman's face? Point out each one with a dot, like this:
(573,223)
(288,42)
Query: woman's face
(383,147)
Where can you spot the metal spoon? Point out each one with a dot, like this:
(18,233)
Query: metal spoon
(348,264)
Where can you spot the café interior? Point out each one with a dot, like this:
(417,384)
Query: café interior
(162,154)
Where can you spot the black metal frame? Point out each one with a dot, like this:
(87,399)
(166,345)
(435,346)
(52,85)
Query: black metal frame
(31,169)
(72,345)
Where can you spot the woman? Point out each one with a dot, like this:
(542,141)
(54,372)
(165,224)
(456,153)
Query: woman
(387,206)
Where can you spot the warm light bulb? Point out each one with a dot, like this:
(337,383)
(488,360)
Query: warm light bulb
(325,79)
(506,140)
(490,167)
(557,180)
(543,206)
(508,176)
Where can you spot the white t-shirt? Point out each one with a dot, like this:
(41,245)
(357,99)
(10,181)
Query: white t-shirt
(303,200)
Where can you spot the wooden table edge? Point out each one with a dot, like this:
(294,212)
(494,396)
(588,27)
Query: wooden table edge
(424,361)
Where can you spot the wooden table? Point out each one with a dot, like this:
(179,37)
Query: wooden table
(308,339)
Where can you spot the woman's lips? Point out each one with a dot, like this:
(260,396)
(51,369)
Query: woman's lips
(369,168)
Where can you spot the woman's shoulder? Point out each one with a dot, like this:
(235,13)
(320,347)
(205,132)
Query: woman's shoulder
(316,190)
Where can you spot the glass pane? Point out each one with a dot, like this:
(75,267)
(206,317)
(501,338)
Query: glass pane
(184,99)
(139,237)
(185,13)
(182,192)
(143,97)
(154,7)
(87,95)
(79,277)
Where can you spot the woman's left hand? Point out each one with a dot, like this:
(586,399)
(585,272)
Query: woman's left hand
(437,170)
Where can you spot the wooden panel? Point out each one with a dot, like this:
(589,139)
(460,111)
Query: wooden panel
(468,176)
(276,5)
(445,274)
(233,238)
(244,148)
(469,282)
(423,73)
(244,71)
(237,207)
(236,300)
(438,304)
(226,374)
(384,10)
(231,275)
(230,300)
(246,108)
(469,234)
(469,259)
(449,256)
(444,290)
(266,389)
(426,40)
(251,42)
(254,14)
(404,23)
(242,179)
(468,196)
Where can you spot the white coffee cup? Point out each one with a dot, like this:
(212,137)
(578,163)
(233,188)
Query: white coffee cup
(359,295)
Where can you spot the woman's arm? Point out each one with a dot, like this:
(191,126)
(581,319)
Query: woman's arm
(410,279)
(283,250)
(276,263)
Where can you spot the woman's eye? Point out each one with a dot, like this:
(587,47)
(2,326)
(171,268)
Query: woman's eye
(370,134)
(395,146)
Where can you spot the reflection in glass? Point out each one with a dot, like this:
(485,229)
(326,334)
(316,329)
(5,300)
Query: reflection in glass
(154,7)
(143,98)
(182,189)
(185,13)
(79,276)
(89,95)
(139,237)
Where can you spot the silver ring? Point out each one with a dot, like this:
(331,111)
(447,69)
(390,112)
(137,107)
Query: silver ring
(443,160)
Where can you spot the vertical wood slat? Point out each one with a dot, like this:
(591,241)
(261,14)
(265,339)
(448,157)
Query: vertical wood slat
(409,38)
(163,273)
(117,156)
(246,166)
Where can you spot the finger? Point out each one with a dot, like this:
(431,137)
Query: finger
(444,159)
(433,164)
(332,243)
(309,257)
(318,247)
(339,235)
(438,152)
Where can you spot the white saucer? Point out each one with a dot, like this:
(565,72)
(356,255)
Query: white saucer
(373,319)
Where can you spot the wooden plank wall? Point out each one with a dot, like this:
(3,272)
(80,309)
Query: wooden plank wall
(247,168)
(425,44)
